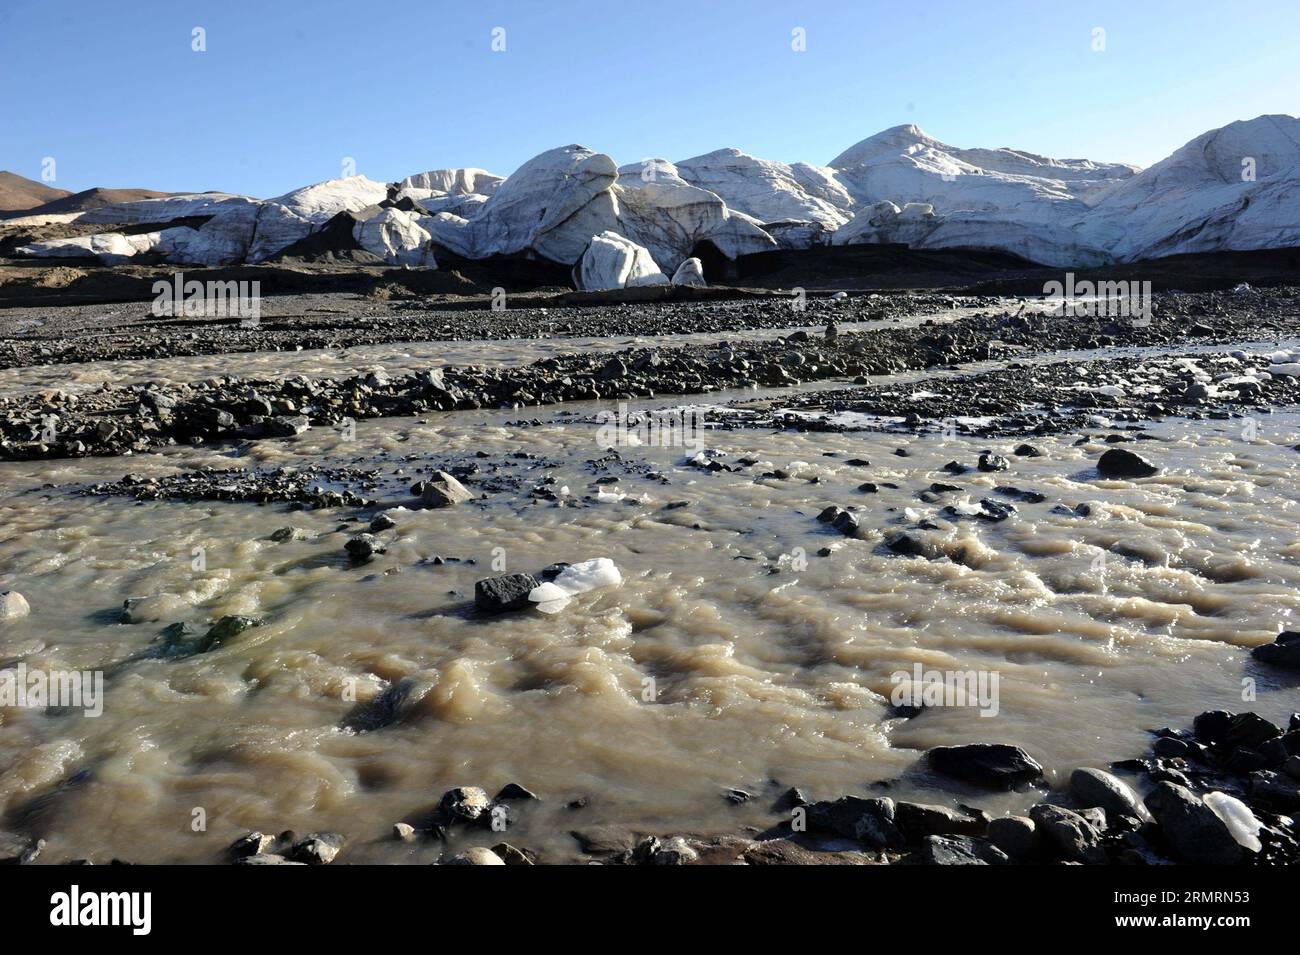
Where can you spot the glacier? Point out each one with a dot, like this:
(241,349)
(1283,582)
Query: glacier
(1235,188)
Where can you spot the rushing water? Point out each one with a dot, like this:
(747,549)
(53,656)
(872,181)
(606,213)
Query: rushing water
(1099,628)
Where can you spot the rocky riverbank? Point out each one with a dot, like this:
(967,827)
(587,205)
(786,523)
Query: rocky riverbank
(1221,793)
(143,418)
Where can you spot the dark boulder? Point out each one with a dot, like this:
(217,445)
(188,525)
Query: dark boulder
(1282,652)
(956,850)
(868,820)
(1190,827)
(996,765)
(507,592)
(1120,462)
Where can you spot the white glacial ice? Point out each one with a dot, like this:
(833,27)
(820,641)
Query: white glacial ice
(554,596)
(1233,188)
(1236,815)
(612,261)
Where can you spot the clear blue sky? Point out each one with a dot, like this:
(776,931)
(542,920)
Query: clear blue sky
(287,89)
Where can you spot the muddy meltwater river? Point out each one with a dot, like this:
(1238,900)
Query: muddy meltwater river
(1101,627)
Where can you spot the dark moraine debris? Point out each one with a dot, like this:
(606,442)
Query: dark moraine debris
(996,765)
(1120,462)
(507,592)
(1282,652)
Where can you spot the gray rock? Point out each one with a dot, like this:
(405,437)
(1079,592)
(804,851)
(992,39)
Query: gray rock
(253,844)
(514,791)
(846,523)
(18,849)
(478,855)
(507,592)
(443,490)
(1191,827)
(225,629)
(510,855)
(956,850)
(918,820)
(867,820)
(1017,836)
(1170,747)
(654,851)
(1095,787)
(403,832)
(1120,462)
(1068,832)
(317,848)
(13,605)
(363,547)
(464,802)
(996,765)
(285,426)
(604,840)
(988,461)
(1096,817)
(1292,767)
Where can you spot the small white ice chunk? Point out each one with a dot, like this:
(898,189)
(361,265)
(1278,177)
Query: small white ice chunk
(588,575)
(554,596)
(1236,815)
